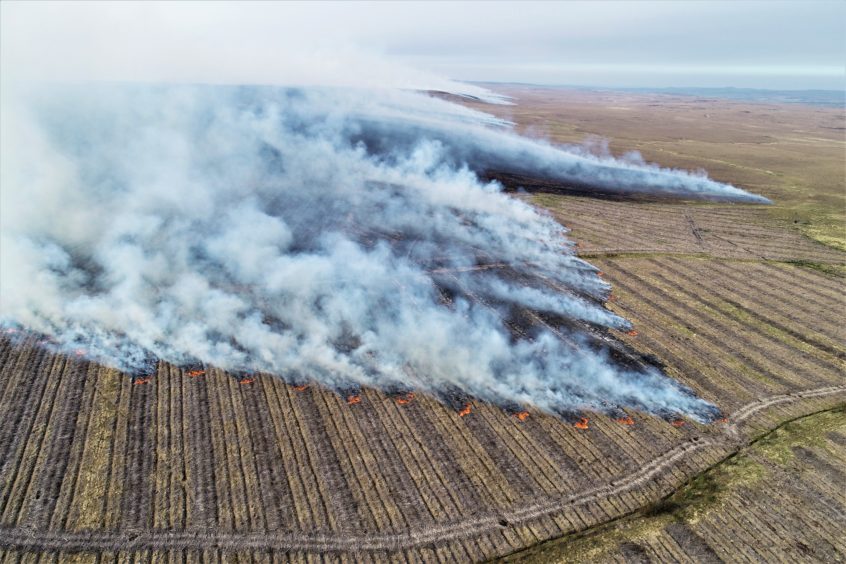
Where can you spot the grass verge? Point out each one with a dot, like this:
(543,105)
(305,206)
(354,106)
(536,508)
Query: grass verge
(747,468)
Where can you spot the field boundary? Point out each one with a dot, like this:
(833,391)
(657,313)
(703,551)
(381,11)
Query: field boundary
(648,253)
(649,512)
(133,539)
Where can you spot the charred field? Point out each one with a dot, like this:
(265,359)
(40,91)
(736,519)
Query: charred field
(741,303)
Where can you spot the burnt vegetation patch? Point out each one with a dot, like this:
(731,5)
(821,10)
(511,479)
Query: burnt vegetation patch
(532,184)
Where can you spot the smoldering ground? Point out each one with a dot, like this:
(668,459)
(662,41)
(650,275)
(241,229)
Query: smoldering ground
(335,235)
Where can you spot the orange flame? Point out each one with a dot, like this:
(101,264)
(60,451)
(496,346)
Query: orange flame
(353,399)
(631,333)
(301,388)
(522,416)
(600,274)
(722,420)
(625,420)
(145,380)
(80,352)
(677,423)
(581,423)
(246,380)
(406,398)
(195,373)
(465,410)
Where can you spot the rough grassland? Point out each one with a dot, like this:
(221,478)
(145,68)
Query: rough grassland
(782,498)
(733,301)
(792,153)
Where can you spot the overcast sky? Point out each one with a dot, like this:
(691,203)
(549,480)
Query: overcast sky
(768,44)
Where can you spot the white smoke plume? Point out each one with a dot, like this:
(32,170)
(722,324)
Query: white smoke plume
(277,229)
(338,232)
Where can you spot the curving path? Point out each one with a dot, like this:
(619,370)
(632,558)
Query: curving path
(22,538)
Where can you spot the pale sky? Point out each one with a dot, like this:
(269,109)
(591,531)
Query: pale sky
(771,44)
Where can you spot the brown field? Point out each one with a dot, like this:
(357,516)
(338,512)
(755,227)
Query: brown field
(791,153)
(780,499)
(736,301)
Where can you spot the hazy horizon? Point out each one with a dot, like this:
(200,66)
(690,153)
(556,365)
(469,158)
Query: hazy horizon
(782,45)
(624,87)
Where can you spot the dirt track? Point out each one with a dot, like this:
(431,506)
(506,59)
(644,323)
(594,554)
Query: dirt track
(141,539)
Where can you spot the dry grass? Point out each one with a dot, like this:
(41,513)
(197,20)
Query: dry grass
(782,498)
(86,451)
(93,464)
(793,154)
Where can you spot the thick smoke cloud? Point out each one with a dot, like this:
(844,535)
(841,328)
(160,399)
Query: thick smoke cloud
(341,236)
(485,149)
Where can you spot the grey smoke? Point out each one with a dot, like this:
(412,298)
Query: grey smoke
(337,235)
(486,149)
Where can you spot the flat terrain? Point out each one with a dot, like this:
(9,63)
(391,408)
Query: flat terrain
(738,302)
(780,499)
(792,153)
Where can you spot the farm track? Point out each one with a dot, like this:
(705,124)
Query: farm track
(779,498)
(206,468)
(48,540)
